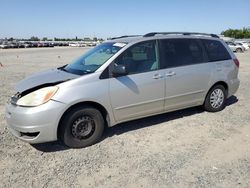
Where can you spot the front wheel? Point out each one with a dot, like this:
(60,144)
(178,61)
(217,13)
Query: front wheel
(215,99)
(81,127)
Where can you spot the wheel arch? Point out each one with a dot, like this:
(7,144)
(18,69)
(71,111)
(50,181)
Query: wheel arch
(223,83)
(239,49)
(96,105)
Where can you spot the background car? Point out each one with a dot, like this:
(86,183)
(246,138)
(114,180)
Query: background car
(4,45)
(34,44)
(235,47)
(13,45)
(20,45)
(74,44)
(27,44)
(244,44)
(40,44)
(45,44)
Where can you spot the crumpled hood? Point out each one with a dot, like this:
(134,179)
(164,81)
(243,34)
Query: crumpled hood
(45,77)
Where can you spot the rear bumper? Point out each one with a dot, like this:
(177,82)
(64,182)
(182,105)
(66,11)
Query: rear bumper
(34,124)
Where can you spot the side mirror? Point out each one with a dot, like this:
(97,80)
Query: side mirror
(119,70)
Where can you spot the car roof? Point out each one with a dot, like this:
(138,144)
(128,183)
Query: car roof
(169,35)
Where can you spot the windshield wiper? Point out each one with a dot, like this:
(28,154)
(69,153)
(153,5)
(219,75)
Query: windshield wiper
(63,68)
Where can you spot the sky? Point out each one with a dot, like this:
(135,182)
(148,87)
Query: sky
(110,18)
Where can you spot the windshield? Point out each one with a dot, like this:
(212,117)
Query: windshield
(93,59)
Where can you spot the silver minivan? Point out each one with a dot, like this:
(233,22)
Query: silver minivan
(123,79)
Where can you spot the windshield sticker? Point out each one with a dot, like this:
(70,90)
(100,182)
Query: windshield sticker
(119,44)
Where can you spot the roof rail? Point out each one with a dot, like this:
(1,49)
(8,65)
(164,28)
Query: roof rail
(125,36)
(179,33)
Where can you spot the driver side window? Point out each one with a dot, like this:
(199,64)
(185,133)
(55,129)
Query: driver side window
(141,57)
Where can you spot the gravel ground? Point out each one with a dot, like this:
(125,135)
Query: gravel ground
(187,148)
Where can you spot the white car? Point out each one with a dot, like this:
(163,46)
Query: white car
(235,47)
(82,44)
(74,44)
(245,44)
(4,45)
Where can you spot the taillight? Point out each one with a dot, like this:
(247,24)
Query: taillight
(236,62)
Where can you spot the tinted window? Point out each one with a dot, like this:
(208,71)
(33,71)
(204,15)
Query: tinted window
(215,50)
(139,58)
(180,52)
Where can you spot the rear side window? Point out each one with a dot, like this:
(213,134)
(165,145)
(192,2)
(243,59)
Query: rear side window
(216,50)
(180,52)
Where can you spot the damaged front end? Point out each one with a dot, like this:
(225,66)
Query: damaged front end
(46,79)
(15,99)
(31,113)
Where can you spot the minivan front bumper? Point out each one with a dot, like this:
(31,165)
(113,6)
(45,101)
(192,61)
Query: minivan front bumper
(34,124)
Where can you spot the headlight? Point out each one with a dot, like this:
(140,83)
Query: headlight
(38,97)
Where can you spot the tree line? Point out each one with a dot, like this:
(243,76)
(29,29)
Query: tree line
(237,33)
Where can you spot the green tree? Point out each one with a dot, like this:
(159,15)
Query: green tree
(237,33)
(33,38)
(11,39)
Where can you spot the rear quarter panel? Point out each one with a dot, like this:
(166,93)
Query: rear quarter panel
(226,71)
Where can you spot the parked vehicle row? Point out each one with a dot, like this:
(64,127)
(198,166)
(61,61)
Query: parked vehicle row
(82,44)
(238,46)
(7,44)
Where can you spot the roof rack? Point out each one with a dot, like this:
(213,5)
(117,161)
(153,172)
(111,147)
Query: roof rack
(179,33)
(125,36)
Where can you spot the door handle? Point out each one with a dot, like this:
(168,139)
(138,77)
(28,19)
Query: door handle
(157,76)
(171,73)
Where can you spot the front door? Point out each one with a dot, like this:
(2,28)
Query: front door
(141,92)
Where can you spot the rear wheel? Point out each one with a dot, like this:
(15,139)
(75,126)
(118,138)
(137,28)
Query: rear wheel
(81,127)
(215,99)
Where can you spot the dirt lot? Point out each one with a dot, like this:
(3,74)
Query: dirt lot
(187,148)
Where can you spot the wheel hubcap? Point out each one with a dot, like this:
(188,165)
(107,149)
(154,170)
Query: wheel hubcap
(83,127)
(216,98)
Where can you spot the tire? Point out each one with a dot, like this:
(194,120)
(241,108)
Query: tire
(81,127)
(212,102)
(239,50)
